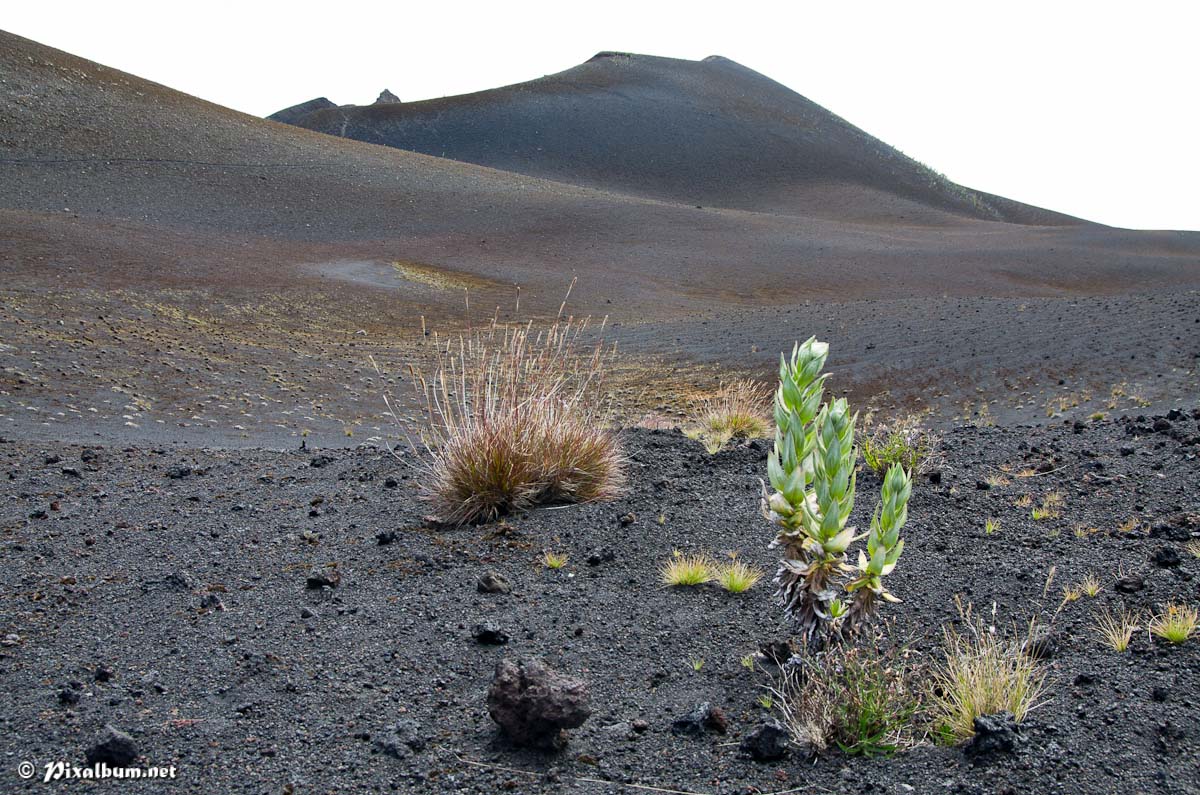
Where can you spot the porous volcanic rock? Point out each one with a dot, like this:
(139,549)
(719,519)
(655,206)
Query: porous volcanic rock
(534,704)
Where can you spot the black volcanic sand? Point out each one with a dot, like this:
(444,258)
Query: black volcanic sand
(180,576)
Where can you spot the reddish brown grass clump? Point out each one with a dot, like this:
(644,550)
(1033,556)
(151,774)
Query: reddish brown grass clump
(518,418)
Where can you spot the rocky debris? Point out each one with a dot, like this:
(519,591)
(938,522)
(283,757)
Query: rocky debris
(1129,584)
(177,582)
(385,537)
(114,748)
(179,472)
(605,555)
(703,717)
(628,519)
(493,582)
(320,461)
(534,704)
(102,673)
(996,733)
(489,634)
(777,652)
(401,739)
(639,726)
(1166,558)
(71,472)
(323,578)
(69,695)
(1042,645)
(766,743)
(386,97)
(210,602)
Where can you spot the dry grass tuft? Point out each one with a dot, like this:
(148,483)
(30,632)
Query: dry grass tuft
(740,410)
(983,673)
(517,417)
(1116,629)
(554,560)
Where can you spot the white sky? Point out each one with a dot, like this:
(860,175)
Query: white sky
(1089,108)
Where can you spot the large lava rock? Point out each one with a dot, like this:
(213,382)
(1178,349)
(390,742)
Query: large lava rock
(114,748)
(994,734)
(534,704)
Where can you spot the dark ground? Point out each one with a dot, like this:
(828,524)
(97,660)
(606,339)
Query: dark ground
(115,558)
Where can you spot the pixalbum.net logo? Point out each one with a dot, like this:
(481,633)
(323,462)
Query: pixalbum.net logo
(61,771)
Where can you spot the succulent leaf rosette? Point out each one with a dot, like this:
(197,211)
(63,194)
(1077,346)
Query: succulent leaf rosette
(812,476)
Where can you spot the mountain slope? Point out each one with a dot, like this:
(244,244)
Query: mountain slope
(708,132)
(134,183)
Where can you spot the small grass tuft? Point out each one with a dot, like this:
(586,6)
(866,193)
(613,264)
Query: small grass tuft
(740,410)
(697,664)
(990,525)
(1116,629)
(1175,624)
(737,577)
(1129,525)
(1051,507)
(982,674)
(553,560)
(1090,586)
(1193,548)
(686,570)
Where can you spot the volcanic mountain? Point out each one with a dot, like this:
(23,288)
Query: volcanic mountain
(661,184)
(709,132)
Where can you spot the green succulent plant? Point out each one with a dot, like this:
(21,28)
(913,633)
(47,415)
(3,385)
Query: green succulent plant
(812,480)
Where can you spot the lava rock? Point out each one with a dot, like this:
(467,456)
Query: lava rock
(1130,583)
(601,556)
(385,537)
(777,651)
(1165,557)
(319,461)
(766,743)
(68,695)
(628,519)
(996,733)
(179,582)
(704,717)
(401,738)
(1043,645)
(534,704)
(323,578)
(114,748)
(1170,532)
(177,472)
(102,673)
(492,582)
(489,634)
